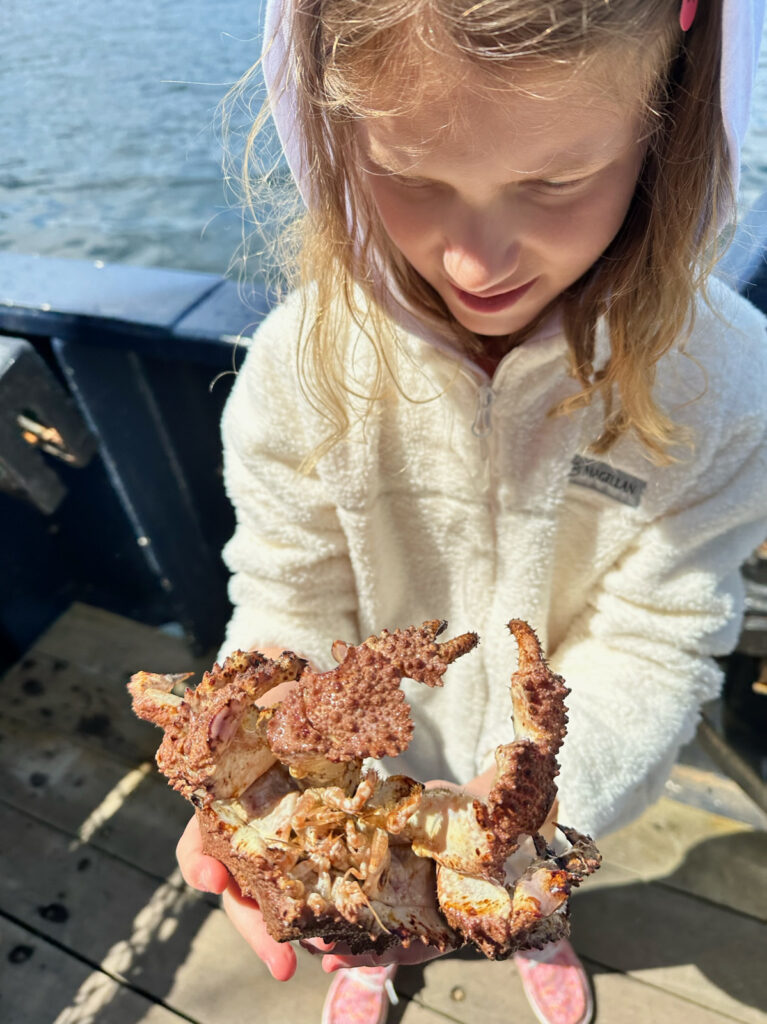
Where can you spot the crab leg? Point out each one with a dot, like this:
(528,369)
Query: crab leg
(214,745)
(523,912)
(524,787)
(476,837)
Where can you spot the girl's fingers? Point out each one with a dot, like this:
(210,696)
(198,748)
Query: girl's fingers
(331,962)
(198,870)
(395,955)
(244,914)
(315,946)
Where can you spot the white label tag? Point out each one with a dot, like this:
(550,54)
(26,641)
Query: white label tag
(615,483)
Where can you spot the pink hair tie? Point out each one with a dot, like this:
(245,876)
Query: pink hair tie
(687,13)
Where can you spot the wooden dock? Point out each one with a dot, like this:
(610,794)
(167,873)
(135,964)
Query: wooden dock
(97,925)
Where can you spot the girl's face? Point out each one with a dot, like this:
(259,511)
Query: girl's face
(501,203)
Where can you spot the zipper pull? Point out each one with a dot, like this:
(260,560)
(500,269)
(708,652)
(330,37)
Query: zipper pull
(483,423)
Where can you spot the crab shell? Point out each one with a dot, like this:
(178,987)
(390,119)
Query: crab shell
(327,849)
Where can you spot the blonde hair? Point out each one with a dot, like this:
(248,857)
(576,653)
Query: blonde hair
(346,53)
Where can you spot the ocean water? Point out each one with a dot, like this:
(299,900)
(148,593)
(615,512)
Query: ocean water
(109,146)
(109,140)
(754,166)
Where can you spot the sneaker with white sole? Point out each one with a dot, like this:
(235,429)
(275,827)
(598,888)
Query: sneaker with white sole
(556,984)
(360,995)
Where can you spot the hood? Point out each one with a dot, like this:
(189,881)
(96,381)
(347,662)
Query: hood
(742,22)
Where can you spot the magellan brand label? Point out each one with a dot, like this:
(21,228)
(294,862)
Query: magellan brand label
(608,480)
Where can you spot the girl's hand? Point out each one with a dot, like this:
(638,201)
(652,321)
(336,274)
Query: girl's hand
(209,875)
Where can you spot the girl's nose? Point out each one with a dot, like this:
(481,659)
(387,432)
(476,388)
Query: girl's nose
(477,267)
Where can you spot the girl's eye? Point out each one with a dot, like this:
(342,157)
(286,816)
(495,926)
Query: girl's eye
(401,180)
(553,187)
(414,183)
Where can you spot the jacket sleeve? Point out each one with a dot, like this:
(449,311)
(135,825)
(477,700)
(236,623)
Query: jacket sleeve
(639,659)
(292,585)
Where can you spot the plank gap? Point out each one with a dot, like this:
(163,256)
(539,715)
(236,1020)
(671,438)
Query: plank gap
(87,844)
(698,898)
(432,1009)
(62,947)
(591,963)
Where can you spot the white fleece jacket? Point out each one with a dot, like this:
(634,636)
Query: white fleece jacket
(628,572)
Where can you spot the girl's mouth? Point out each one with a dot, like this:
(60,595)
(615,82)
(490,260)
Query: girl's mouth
(492,303)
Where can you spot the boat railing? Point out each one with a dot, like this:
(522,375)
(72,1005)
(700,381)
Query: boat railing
(112,382)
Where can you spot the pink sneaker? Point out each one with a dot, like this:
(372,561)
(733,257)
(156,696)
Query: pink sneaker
(556,984)
(360,995)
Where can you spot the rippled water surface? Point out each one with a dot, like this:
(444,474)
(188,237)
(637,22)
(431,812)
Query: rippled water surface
(109,146)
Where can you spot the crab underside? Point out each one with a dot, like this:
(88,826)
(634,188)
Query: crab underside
(328,848)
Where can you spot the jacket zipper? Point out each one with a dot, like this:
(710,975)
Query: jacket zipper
(483,418)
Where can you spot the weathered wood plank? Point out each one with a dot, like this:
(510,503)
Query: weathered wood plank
(696,852)
(73,682)
(698,951)
(95,905)
(74,753)
(468,988)
(129,812)
(45,692)
(621,1000)
(112,645)
(471,990)
(222,981)
(413,1012)
(705,786)
(42,984)
(161,937)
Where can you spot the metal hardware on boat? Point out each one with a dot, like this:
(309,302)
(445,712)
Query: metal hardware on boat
(36,415)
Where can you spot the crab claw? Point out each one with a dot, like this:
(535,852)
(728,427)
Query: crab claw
(524,787)
(475,836)
(522,912)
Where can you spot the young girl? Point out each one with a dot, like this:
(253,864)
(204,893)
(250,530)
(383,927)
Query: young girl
(500,389)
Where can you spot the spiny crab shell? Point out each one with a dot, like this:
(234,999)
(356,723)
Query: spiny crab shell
(330,849)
